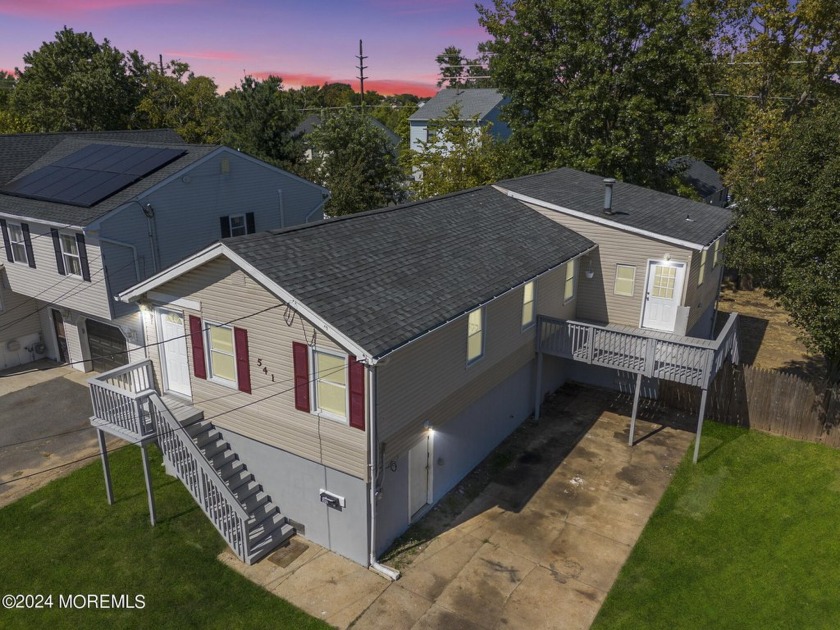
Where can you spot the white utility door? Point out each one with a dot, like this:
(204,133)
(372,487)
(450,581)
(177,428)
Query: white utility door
(418,476)
(664,291)
(176,368)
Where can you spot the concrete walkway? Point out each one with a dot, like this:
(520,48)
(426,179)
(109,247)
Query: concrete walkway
(540,547)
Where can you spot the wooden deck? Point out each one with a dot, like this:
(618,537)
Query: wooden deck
(650,353)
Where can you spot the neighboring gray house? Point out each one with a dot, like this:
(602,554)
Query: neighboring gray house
(485,104)
(350,372)
(85,215)
(705,180)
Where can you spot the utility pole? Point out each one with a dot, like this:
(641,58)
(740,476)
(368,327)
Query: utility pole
(161,65)
(361,57)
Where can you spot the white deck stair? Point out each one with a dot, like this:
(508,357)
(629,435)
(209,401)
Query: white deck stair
(221,484)
(126,404)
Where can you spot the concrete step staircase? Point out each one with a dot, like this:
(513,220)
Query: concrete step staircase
(197,453)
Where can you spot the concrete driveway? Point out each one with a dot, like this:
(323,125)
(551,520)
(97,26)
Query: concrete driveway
(44,427)
(539,547)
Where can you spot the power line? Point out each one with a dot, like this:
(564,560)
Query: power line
(183,427)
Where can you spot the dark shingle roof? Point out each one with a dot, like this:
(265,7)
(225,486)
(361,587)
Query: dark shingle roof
(18,151)
(75,215)
(387,276)
(697,174)
(633,206)
(472,101)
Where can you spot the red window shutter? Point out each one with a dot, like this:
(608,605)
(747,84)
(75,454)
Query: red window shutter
(197,338)
(357,394)
(243,365)
(300,354)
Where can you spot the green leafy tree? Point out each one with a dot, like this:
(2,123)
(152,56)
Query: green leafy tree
(75,83)
(777,59)
(259,117)
(178,99)
(787,232)
(605,86)
(459,71)
(354,160)
(9,121)
(459,154)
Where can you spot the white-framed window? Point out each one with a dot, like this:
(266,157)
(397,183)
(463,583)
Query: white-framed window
(238,225)
(701,275)
(18,242)
(475,335)
(70,254)
(221,354)
(569,289)
(528,305)
(329,385)
(625,280)
(718,254)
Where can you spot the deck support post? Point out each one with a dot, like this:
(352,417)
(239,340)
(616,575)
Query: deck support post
(106,467)
(148,475)
(537,396)
(635,408)
(700,424)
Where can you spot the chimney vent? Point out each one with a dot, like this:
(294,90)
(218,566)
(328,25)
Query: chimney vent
(608,193)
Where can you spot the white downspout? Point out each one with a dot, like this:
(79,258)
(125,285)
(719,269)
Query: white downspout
(381,569)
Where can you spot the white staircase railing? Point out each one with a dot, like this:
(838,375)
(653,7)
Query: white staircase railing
(118,397)
(200,478)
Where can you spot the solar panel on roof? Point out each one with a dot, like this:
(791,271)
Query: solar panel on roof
(92,174)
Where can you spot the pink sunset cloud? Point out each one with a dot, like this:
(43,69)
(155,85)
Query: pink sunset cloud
(53,8)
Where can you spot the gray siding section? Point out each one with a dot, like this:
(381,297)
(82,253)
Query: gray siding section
(268,414)
(294,484)
(702,297)
(460,445)
(596,298)
(188,209)
(45,283)
(429,380)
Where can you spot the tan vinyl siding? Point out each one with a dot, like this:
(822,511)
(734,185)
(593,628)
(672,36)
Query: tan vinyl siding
(268,414)
(430,379)
(596,299)
(699,298)
(49,286)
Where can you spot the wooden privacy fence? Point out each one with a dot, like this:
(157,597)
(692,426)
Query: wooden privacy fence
(775,402)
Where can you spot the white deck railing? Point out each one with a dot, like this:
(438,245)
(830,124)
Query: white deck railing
(200,478)
(119,396)
(670,357)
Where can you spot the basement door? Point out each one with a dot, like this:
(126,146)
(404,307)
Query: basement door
(176,369)
(419,476)
(664,291)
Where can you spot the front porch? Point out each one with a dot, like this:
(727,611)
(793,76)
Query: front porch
(639,351)
(126,404)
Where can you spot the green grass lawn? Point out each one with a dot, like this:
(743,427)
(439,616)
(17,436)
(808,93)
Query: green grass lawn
(748,538)
(66,539)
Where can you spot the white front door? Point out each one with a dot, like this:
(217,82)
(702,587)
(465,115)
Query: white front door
(418,476)
(663,295)
(173,349)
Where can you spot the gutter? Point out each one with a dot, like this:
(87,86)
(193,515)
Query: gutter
(375,565)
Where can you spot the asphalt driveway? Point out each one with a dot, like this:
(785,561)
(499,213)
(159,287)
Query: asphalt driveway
(44,427)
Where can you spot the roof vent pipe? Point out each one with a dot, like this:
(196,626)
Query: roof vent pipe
(608,193)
